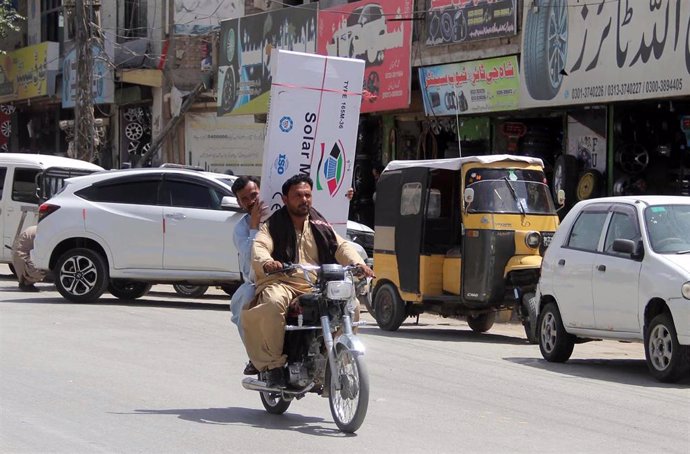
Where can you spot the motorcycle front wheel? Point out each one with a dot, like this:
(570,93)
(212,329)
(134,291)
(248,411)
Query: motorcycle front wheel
(349,404)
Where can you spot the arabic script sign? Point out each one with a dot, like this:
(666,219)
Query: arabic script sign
(469,87)
(594,52)
(458,21)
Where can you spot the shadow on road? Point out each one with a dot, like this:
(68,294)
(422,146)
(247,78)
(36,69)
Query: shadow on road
(250,417)
(624,371)
(440,333)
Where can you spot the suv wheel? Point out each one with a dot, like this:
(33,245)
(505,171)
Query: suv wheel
(190,291)
(81,275)
(128,290)
(666,358)
(555,343)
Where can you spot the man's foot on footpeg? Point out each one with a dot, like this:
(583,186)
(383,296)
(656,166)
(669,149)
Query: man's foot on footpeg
(250,369)
(275,378)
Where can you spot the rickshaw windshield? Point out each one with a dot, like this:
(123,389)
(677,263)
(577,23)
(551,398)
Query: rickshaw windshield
(509,191)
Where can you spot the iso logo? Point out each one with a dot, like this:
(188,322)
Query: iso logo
(286,124)
(281,164)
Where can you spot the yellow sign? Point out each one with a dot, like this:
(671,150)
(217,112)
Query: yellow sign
(24,72)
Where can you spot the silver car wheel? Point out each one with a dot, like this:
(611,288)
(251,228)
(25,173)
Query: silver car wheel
(78,275)
(660,347)
(548,332)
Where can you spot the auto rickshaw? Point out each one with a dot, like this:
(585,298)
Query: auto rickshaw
(461,237)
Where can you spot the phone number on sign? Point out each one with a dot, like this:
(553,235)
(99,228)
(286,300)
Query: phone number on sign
(628,89)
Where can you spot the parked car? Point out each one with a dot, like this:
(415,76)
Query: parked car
(125,230)
(25,181)
(619,268)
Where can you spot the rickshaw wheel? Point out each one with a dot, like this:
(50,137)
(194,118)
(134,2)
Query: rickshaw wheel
(481,323)
(389,309)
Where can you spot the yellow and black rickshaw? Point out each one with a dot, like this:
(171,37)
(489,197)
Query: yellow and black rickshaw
(460,237)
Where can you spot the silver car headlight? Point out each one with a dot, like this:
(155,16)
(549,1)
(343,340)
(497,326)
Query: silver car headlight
(532,239)
(339,290)
(685,290)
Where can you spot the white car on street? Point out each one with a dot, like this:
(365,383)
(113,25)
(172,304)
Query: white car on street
(619,268)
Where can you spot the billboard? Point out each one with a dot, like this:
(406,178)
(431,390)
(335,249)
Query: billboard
(244,66)
(103,84)
(577,52)
(471,87)
(29,72)
(200,17)
(312,130)
(460,21)
(381,35)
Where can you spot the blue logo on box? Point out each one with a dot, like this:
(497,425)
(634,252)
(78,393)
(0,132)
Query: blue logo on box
(281,164)
(286,124)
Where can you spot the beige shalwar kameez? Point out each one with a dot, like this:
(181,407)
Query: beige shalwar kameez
(27,274)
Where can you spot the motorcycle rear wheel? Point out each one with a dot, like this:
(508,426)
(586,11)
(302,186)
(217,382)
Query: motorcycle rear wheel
(272,402)
(349,404)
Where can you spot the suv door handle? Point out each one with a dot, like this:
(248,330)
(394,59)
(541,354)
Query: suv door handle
(561,262)
(177,216)
(601,267)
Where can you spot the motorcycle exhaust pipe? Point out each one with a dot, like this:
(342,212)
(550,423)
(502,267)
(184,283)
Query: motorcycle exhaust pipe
(253,384)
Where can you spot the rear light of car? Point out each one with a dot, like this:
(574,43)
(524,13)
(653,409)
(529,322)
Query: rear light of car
(45,209)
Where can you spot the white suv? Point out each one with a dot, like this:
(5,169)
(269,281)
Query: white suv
(619,268)
(124,230)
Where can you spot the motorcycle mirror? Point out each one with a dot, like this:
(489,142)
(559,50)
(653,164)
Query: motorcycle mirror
(560,196)
(468,198)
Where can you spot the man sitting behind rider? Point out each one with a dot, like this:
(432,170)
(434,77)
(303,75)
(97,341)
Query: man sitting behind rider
(296,233)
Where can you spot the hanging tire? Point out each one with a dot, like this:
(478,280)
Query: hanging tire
(348,404)
(481,323)
(565,178)
(128,290)
(667,360)
(589,185)
(190,291)
(389,309)
(273,402)
(81,275)
(555,343)
(546,48)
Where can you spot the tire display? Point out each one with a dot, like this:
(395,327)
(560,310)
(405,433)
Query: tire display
(128,290)
(555,344)
(667,360)
(348,404)
(545,48)
(81,275)
(481,323)
(590,185)
(389,309)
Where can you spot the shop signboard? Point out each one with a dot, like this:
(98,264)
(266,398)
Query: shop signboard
(587,138)
(103,85)
(244,66)
(8,86)
(312,129)
(35,66)
(200,17)
(219,144)
(461,21)
(380,33)
(576,52)
(466,88)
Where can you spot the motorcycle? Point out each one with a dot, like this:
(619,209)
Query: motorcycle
(324,355)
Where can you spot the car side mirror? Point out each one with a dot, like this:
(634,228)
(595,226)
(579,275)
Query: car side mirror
(229,203)
(624,246)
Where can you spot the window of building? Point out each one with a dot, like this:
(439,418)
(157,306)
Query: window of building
(132,20)
(50,20)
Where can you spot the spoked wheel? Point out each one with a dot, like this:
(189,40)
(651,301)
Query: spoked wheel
(81,275)
(349,403)
(667,360)
(273,402)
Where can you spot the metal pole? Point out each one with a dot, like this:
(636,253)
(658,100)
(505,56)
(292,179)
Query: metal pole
(84,127)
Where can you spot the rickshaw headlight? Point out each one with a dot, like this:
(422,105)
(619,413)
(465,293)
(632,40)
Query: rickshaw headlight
(685,290)
(532,239)
(339,290)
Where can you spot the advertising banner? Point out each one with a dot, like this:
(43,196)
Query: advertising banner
(244,66)
(8,87)
(312,130)
(489,85)
(200,17)
(103,85)
(587,138)
(577,52)
(219,144)
(381,35)
(460,21)
(31,67)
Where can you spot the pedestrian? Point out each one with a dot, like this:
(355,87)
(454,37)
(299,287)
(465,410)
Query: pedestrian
(27,274)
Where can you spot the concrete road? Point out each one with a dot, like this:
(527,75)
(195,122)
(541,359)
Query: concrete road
(162,375)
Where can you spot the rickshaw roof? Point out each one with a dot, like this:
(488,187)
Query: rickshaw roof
(457,163)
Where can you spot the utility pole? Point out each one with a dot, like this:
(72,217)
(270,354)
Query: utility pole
(84,125)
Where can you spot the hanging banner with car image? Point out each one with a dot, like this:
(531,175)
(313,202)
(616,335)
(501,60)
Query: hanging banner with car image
(489,85)
(381,35)
(244,65)
(578,52)
(460,21)
(312,130)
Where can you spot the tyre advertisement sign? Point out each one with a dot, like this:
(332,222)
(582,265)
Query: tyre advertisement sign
(219,144)
(587,139)
(489,85)
(381,35)
(459,21)
(312,129)
(577,52)
(244,65)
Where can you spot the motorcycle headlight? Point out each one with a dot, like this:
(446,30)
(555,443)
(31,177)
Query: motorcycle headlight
(685,290)
(339,290)
(532,239)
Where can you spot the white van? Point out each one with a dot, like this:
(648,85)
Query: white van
(26,180)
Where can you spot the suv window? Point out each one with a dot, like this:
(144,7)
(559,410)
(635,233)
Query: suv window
(622,226)
(587,230)
(3,172)
(191,195)
(24,188)
(131,192)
